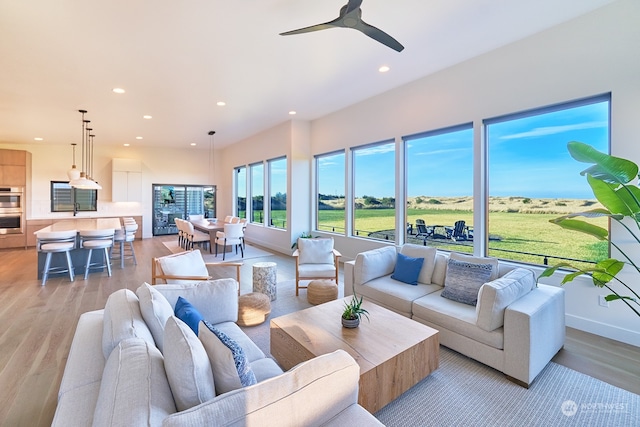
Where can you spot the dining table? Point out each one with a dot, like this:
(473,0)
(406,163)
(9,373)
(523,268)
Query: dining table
(210,226)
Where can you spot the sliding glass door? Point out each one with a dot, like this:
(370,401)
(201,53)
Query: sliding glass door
(172,201)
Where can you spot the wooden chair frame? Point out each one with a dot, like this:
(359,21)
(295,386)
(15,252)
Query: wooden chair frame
(296,255)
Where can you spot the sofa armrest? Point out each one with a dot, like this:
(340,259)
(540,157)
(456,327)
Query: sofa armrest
(348,277)
(534,331)
(310,394)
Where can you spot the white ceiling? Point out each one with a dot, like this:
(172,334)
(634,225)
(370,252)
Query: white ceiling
(176,59)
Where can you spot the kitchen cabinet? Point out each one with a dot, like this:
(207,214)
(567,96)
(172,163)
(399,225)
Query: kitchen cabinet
(126,180)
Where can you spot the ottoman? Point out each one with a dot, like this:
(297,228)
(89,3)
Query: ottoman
(321,291)
(253,309)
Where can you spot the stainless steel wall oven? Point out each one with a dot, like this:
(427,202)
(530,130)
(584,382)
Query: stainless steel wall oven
(12,210)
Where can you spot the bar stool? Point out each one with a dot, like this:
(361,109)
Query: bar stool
(97,239)
(126,234)
(56,242)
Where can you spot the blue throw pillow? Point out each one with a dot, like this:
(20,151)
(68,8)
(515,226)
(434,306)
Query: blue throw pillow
(188,314)
(407,269)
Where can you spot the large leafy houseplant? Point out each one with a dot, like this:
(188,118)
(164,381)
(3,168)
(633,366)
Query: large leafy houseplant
(611,180)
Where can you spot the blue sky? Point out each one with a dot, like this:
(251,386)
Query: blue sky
(527,157)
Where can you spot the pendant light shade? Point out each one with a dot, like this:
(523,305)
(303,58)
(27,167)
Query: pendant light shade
(73,173)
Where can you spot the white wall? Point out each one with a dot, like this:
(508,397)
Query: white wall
(593,54)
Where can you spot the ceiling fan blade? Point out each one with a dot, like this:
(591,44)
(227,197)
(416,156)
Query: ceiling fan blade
(317,27)
(379,35)
(352,5)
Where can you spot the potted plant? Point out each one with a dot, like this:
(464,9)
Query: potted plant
(302,236)
(353,311)
(610,179)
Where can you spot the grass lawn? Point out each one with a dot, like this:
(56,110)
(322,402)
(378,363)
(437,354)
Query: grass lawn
(523,233)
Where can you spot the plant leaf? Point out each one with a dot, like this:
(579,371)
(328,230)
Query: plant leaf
(606,270)
(581,226)
(616,200)
(606,167)
(613,297)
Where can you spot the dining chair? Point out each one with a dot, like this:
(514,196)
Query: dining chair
(195,236)
(232,235)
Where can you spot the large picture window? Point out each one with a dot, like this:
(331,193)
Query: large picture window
(532,179)
(65,198)
(330,208)
(374,178)
(278,192)
(439,169)
(257,193)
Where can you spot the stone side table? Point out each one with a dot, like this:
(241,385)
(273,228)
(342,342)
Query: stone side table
(264,278)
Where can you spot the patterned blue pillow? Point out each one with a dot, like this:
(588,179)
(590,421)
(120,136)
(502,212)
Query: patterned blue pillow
(464,279)
(229,363)
(407,269)
(188,314)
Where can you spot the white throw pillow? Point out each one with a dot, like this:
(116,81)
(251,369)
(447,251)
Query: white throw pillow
(187,365)
(495,296)
(315,251)
(375,263)
(229,363)
(429,264)
(188,263)
(155,310)
(122,320)
(134,390)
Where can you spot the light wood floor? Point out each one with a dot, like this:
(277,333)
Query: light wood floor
(38,325)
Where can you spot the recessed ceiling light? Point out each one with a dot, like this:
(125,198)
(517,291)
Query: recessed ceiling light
(292,113)
(147,117)
(221,103)
(138,137)
(384,69)
(118,90)
(37,138)
(193,144)
(126,145)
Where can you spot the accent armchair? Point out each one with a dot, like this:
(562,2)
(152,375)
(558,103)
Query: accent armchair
(316,259)
(186,267)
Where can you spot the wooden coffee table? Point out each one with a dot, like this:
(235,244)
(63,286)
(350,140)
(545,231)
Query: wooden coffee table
(394,352)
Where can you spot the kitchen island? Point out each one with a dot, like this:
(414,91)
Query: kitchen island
(78,255)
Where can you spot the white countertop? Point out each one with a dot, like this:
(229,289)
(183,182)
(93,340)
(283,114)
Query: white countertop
(81,224)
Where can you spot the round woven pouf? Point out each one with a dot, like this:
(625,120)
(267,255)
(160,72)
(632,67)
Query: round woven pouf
(321,291)
(253,309)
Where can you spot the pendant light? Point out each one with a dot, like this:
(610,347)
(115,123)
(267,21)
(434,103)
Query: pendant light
(83,182)
(211,156)
(73,173)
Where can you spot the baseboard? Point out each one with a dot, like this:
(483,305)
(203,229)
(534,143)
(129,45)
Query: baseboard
(603,329)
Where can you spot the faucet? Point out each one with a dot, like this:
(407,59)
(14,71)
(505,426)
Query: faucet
(76,207)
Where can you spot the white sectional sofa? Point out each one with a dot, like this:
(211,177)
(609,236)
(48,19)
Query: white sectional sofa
(516,326)
(135,364)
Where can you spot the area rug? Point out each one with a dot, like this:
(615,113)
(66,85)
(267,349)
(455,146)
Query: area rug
(249,252)
(463,392)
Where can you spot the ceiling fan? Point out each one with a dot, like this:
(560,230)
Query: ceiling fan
(351,17)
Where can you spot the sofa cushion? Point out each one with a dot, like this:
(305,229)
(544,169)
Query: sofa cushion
(216,300)
(189,263)
(464,279)
(429,255)
(407,269)
(478,260)
(122,320)
(495,296)
(155,310)
(188,314)
(456,317)
(375,263)
(134,388)
(187,365)
(230,366)
(315,251)
(394,295)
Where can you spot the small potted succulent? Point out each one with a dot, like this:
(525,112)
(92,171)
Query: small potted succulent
(352,312)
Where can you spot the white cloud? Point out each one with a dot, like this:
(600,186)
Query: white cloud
(552,130)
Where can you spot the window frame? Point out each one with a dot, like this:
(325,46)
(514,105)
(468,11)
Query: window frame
(92,194)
